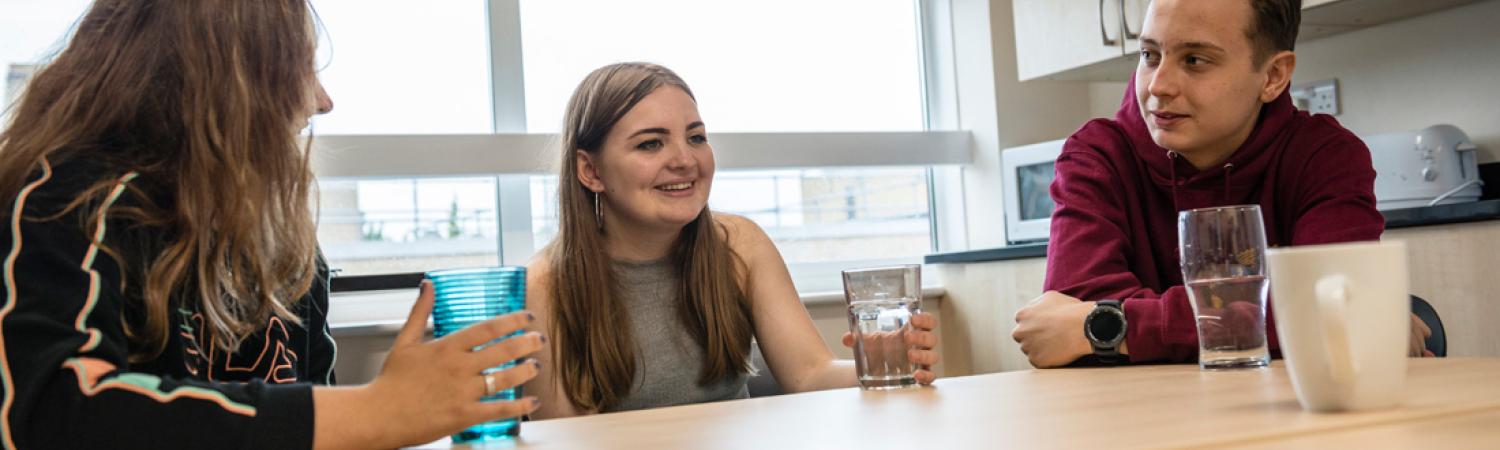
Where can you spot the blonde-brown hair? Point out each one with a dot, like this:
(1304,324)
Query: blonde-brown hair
(201,98)
(594,349)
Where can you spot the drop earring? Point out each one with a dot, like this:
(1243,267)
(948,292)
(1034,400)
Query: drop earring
(598,214)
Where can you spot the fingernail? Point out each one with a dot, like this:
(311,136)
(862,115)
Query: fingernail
(536,363)
(543,337)
(530,317)
(535,402)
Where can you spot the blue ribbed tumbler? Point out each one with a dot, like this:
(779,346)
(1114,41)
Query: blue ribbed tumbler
(469,296)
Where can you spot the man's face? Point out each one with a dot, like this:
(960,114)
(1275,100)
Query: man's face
(1197,84)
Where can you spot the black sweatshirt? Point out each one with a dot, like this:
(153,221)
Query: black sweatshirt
(63,348)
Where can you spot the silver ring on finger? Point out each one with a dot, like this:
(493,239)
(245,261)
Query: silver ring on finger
(489,384)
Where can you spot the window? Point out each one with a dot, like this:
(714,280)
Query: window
(807,111)
(401,67)
(371,227)
(813,215)
(820,123)
(764,65)
(31,33)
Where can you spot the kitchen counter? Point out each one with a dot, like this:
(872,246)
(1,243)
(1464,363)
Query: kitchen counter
(1394,219)
(1038,250)
(1441,214)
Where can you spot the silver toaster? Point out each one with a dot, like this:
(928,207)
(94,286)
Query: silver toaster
(1434,166)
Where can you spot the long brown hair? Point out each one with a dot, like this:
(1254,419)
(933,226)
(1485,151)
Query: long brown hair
(201,99)
(594,350)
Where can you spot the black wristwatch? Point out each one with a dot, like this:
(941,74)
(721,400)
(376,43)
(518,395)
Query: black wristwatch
(1105,329)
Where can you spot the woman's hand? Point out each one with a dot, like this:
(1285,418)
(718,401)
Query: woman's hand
(922,343)
(431,389)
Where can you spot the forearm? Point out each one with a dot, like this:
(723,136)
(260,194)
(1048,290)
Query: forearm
(832,374)
(343,419)
(127,410)
(1163,328)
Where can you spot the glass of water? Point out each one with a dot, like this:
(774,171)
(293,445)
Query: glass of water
(881,302)
(465,297)
(1223,266)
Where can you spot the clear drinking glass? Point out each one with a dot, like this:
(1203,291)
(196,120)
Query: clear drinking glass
(1223,266)
(881,302)
(468,296)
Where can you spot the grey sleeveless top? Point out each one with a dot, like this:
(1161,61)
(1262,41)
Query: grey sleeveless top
(668,360)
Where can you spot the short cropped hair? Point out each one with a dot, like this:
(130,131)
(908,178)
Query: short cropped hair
(1273,27)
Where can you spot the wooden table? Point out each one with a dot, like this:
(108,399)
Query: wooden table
(1450,402)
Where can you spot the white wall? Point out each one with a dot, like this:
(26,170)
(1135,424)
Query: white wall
(1000,111)
(1443,67)
(1105,98)
(1035,111)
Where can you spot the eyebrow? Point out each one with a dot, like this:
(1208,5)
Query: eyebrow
(650,131)
(1190,45)
(1200,46)
(698,124)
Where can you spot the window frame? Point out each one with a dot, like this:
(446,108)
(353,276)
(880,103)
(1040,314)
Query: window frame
(512,155)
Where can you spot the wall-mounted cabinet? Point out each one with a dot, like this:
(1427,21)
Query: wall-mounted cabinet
(1097,40)
(1070,37)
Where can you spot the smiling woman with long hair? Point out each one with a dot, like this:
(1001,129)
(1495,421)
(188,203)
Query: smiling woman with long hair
(651,297)
(162,280)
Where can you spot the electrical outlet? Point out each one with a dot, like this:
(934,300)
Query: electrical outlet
(1319,97)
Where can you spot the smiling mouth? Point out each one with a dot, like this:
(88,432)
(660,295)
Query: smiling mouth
(676,186)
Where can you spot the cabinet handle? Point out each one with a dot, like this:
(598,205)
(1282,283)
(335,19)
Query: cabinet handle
(1104,33)
(1125,22)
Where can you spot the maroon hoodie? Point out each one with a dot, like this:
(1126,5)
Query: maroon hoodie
(1114,232)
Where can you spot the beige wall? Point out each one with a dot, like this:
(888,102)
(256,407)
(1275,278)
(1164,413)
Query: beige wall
(980,310)
(1455,267)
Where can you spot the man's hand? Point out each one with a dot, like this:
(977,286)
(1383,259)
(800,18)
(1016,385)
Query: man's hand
(1050,330)
(1417,343)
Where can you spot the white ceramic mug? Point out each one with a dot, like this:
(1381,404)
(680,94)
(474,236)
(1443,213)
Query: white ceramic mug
(1342,313)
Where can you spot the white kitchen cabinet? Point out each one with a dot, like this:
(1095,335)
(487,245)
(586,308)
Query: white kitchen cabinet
(1133,15)
(1098,40)
(1055,36)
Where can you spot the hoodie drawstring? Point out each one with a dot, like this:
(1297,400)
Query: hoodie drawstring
(1172,171)
(1228,167)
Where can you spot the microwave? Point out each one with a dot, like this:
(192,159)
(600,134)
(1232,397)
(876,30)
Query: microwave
(1026,182)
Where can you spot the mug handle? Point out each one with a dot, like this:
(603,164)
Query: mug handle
(1333,309)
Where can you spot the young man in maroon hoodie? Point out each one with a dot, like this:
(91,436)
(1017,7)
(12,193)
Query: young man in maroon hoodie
(1207,122)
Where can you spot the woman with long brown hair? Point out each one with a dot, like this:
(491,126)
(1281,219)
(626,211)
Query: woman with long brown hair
(651,298)
(163,285)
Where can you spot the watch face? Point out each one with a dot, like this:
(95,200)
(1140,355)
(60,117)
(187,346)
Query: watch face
(1106,326)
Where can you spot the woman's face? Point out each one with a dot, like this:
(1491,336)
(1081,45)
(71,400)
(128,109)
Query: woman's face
(656,165)
(319,103)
